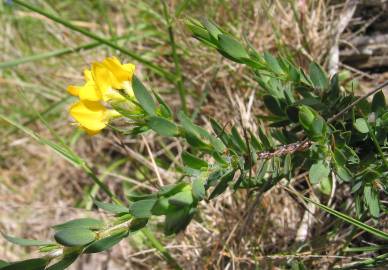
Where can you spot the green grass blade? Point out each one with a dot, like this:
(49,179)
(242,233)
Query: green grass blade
(66,153)
(350,220)
(371,263)
(159,246)
(178,71)
(59,52)
(155,68)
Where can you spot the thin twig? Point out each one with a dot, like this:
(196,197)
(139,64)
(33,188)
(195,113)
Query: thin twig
(153,162)
(347,108)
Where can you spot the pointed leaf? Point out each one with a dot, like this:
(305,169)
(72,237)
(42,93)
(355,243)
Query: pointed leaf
(111,207)
(142,208)
(193,161)
(105,243)
(198,189)
(232,47)
(318,76)
(181,199)
(162,126)
(25,242)
(143,96)
(82,223)
(31,264)
(65,262)
(74,237)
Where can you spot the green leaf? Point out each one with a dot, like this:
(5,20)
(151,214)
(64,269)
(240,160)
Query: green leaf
(292,113)
(170,189)
(105,243)
(143,96)
(138,197)
(142,208)
(272,63)
(212,29)
(199,31)
(165,109)
(343,173)
(65,262)
(193,162)
(3,264)
(273,105)
(232,47)
(318,172)
(306,117)
(31,264)
(74,237)
(318,76)
(178,220)
(222,184)
(162,126)
(162,207)
(25,242)
(111,207)
(138,224)
(361,125)
(372,200)
(325,186)
(198,189)
(378,102)
(82,223)
(181,199)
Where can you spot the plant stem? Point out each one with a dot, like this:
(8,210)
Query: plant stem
(59,52)
(159,246)
(178,71)
(155,68)
(371,92)
(374,139)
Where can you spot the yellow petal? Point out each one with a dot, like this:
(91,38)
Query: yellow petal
(73,90)
(90,115)
(88,75)
(121,72)
(90,132)
(103,78)
(89,92)
(130,68)
(128,89)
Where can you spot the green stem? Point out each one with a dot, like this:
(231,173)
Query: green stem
(178,70)
(155,68)
(103,186)
(59,52)
(159,246)
(374,139)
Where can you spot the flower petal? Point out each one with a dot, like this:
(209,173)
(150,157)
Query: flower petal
(90,115)
(73,90)
(121,72)
(88,75)
(89,92)
(103,78)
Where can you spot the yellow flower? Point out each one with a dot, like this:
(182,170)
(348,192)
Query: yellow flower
(110,75)
(101,87)
(103,81)
(88,91)
(92,116)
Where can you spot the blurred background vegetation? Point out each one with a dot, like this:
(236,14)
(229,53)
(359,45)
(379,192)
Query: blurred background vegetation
(39,58)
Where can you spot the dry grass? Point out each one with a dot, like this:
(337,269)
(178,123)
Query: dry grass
(39,189)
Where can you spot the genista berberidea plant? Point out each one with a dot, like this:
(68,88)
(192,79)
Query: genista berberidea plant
(316,126)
